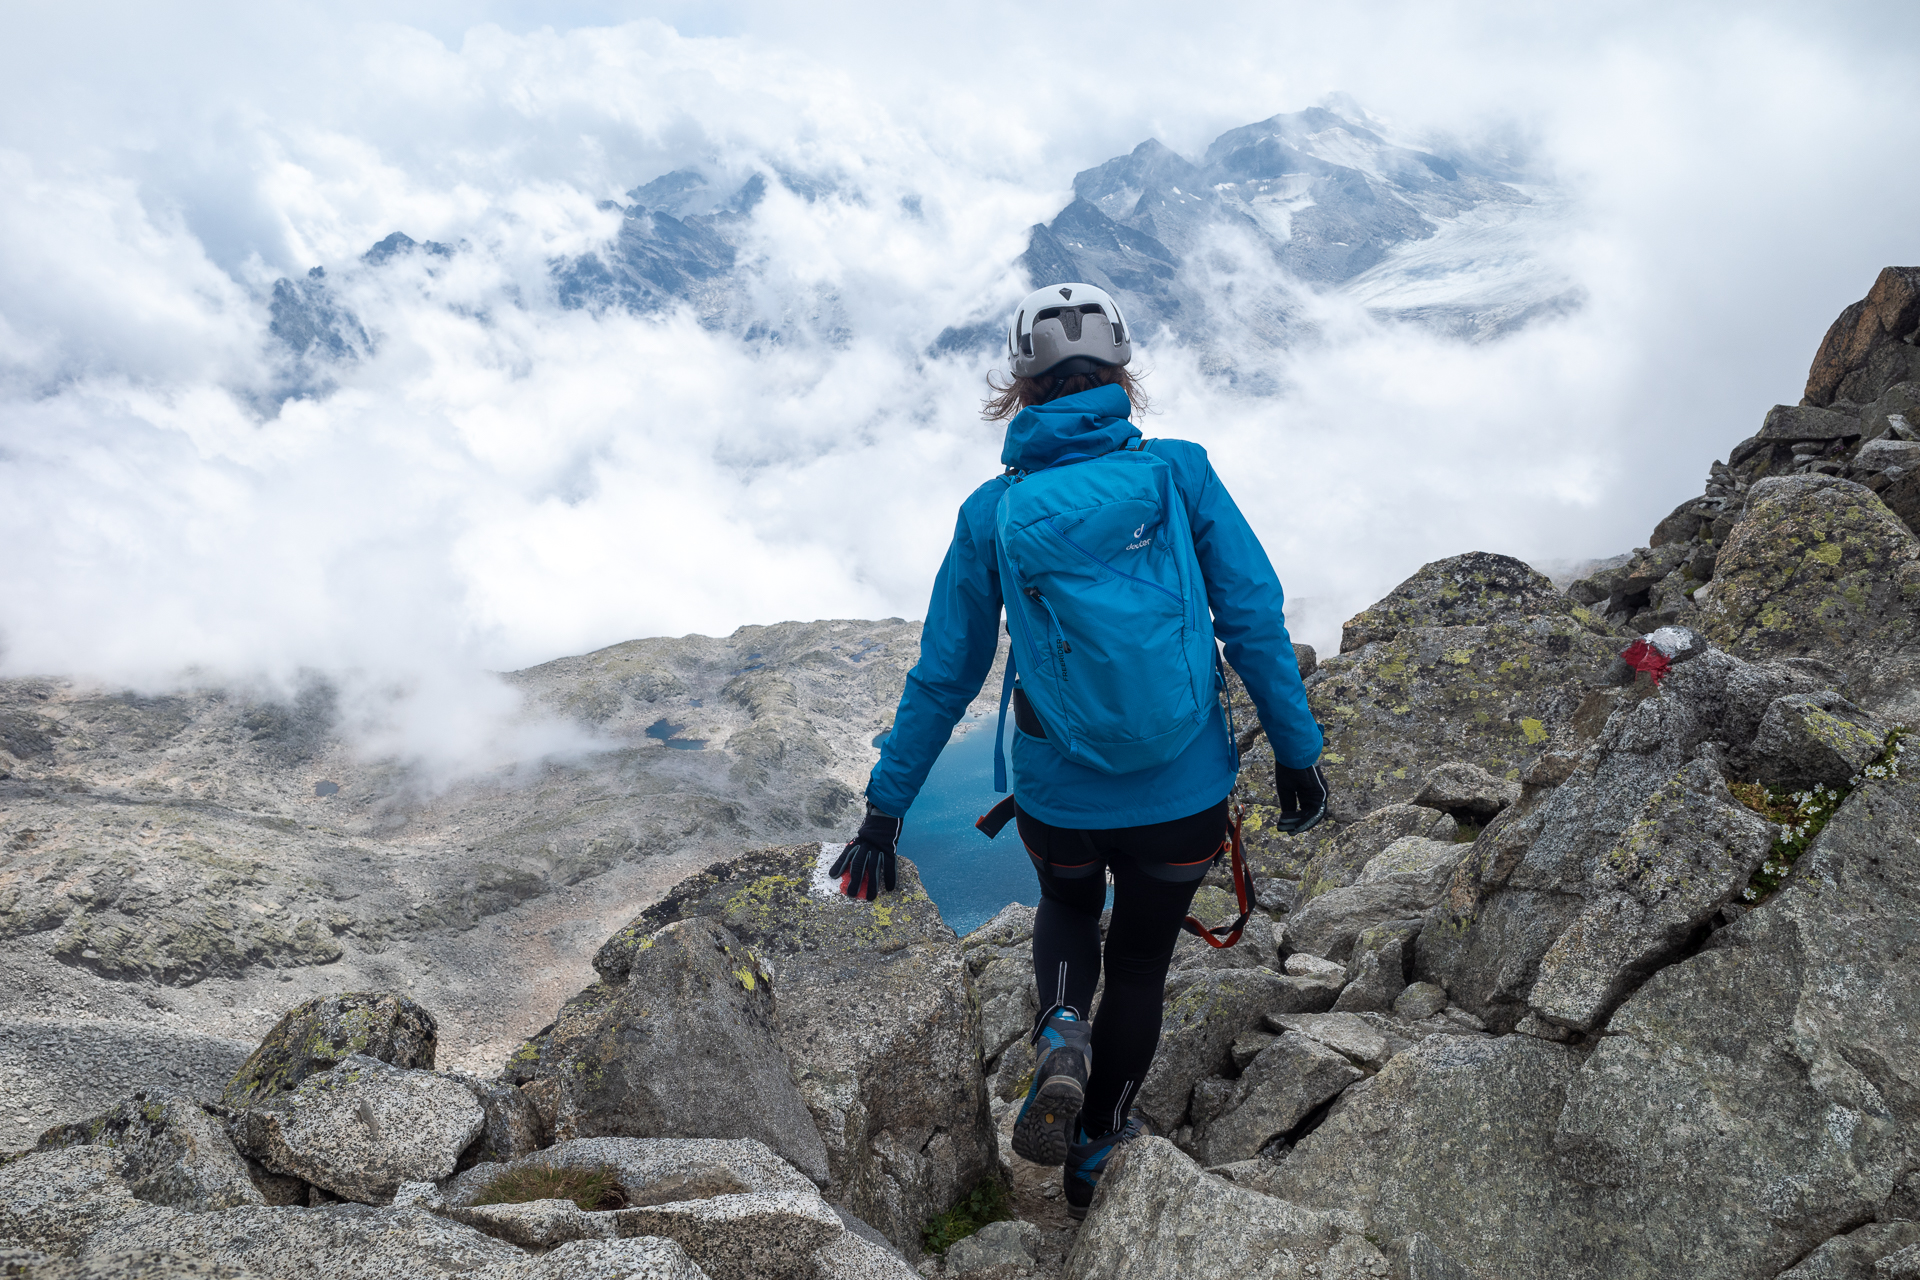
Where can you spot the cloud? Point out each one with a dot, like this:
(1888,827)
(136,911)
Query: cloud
(500,481)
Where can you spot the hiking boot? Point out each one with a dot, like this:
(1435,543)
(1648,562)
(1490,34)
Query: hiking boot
(1051,1116)
(1087,1158)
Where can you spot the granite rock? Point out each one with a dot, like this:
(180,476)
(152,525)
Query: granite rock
(322,1033)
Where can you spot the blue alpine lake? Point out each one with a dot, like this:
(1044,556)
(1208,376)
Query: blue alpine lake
(968,876)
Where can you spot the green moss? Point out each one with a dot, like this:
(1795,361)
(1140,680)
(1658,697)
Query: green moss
(1803,815)
(987,1202)
(592,1189)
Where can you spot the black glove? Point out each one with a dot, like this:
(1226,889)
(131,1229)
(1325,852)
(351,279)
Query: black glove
(1303,798)
(868,858)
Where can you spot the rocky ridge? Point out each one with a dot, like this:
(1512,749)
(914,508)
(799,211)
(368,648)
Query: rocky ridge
(1604,968)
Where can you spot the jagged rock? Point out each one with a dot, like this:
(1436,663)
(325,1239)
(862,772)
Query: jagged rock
(1820,567)
(1358,843)
(1889,313)
(855,1257)
(1206,1228)
(999,957)
(363,1128)
(1461,591)
(1823,1093)
(1402,882)
(121,1264)
(1852,1256)
(1419,1000)
(324,1032)
(1534,870)
(170,1152)
(1376,975)
(677,1032)
(875,1017)
(1288,1079)
(1247,1046)
(512,1127)
(652,1169)
(1815,738)
(1692,849)
(1878,455)
(1904,1265)
(1792,424)
(1348,1034)
(1493,696)
(1205,1012)
(994,1252)
(1467,792)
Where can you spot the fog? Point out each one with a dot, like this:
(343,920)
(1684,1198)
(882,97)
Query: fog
(500,481)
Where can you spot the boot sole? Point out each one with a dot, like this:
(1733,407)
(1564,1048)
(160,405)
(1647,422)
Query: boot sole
(1046,1126)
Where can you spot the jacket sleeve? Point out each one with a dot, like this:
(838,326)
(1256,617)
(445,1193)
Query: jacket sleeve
(957,646)
(1249,606)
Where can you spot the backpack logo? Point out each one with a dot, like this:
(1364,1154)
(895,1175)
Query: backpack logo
(1135,546)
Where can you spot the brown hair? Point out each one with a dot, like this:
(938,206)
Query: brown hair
(1020,393)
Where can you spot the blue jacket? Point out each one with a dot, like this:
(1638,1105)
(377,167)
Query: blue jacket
(962,629)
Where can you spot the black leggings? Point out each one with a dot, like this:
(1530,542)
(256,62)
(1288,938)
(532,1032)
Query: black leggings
(1156,869)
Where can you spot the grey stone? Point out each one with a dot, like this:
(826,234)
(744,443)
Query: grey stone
(1204,1013)
(324,1032)
(1419,1000)
(1247,1046)
(1424,864)
(1278,1090)
(1377,973)
(170,1152)
(512,1127)
(1467,792)
(648,1169)
(1207,1228)
(1815,738)
(1852,1256)
(1403,882)
(1904,1265)
(347,1240)
(875,1018)
(363,1128)
(1427,1261)
(1347,1034)
(1692,849)
(1878,455)
(54,1200)
(669,1042)
(1357,843)
(1461,591)
(760,1235)
(854,1257)
(999,956)
(1302,965)
(995,1250)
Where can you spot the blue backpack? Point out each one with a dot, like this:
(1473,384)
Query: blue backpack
(1107,611)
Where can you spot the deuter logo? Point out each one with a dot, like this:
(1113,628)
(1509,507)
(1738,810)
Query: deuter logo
(1135,546)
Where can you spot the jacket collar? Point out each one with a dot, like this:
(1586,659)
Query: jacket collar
(1086,424)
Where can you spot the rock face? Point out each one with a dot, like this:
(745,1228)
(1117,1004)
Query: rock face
(680,1031)
(363,1128)
(320,1034)
(874,1016)
(1472,590)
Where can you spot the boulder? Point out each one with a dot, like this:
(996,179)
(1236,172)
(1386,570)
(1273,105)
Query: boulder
(1357,843)
(1302,965)
(1205,1012)
(1878,455)
(1203,1227)
(1822,738)
(170,1151)
(1461,591)
(999,957)
(1403,882)
(1691,850)
(651,1169)
(512,1126)
(1278,1090)
(1494,696)
(363,1128)
(1889,313)
(1467,792)
(667,1045)
(1819,567)
(1376,975)
(53,1200)
(323,1032)
(1419,1000)
(876,1018)
(996,1251)
(1350,1035)
(1793,424)
(645,1258)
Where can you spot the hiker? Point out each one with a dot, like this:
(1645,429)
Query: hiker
(1118,561)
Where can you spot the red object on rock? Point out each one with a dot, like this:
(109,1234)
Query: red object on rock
(1642,656)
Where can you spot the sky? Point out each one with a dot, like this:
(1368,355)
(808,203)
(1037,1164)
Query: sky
(504,482)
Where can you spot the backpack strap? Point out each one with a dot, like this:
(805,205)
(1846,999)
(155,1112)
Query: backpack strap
(1000,730)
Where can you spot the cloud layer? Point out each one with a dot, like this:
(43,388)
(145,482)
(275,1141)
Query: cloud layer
(502,481)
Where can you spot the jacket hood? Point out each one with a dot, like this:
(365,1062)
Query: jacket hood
(1086,424)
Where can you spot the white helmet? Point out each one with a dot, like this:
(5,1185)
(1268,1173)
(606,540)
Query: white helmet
(1076,325)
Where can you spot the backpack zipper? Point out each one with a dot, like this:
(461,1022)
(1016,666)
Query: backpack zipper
(1122,573)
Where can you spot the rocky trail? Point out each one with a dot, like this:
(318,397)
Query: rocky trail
(1604,968)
